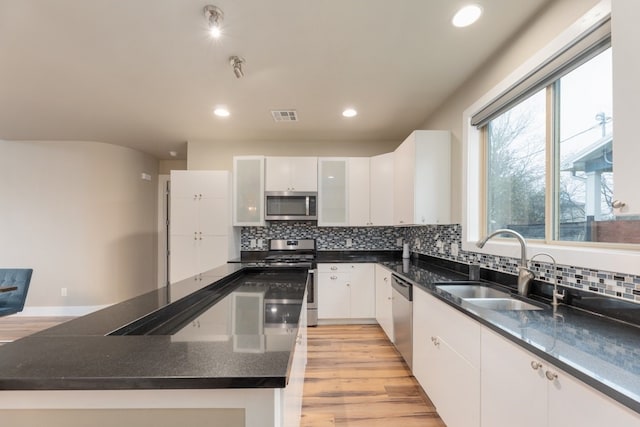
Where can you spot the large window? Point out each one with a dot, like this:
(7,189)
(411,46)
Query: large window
(549,160)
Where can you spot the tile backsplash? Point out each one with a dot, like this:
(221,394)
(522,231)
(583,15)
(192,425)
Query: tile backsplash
(442,241)
(327,238)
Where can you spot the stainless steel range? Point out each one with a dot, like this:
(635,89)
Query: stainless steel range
(298,253)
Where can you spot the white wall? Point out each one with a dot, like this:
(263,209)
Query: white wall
(218,155)
(558,16)
(80,215)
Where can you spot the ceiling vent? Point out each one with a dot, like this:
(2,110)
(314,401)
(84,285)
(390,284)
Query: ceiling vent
(285,115)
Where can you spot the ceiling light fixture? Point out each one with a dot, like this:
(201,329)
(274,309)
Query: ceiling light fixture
(173,153)
(466,16)
(349,112)
(214,17)
(221,112)
(236,63)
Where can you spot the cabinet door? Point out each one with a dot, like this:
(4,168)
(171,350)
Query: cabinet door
(444,363)
(626,68)
(383,301)
(304,173)
(333,295)
(213,216)
(423,347)
(212,252)
(359,192)
(513,393)
(291,174)
(248,191)
(183,216)
(456,387)
(432,191)
(332,192)
(277,174)
(381,190)
(404,170)
(573,403)
(363,292)
(183,259)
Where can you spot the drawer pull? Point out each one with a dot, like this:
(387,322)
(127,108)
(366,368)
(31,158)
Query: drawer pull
(535,365)
(551,376)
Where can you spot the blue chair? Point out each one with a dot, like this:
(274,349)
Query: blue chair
(12,301)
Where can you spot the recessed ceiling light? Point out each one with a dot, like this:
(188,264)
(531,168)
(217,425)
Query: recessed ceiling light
(173,153)
(467,16)
(221,112)
(349,112)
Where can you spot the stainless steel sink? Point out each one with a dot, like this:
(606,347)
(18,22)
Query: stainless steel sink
(473,291)
(501,304)
(480,295)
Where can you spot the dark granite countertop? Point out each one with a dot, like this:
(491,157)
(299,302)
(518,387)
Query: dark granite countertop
(205,349)
(599,351)
(81,354)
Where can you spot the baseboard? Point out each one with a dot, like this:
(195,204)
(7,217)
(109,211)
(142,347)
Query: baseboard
(76,310)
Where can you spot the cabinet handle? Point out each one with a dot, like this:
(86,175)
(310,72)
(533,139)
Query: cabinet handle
(386,279)
(334,268)
(551,376)
(348,284)
(435,341)
(333,277)
(195,235)
(535,365)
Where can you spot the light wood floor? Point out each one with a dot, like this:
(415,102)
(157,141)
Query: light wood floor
(354,377)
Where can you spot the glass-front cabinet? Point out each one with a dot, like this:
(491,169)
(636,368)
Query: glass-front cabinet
(332,192)
(248,191)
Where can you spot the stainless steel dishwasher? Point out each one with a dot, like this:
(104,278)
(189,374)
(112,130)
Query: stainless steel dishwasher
(402,309)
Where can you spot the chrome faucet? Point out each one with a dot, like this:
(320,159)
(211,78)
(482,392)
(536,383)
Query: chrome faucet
(525,276)
(557,295)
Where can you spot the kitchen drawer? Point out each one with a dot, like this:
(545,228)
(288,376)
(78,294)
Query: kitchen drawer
(336,268)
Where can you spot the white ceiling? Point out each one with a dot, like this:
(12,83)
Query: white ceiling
(145,74)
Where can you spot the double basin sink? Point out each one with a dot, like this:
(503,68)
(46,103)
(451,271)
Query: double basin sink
(480,295)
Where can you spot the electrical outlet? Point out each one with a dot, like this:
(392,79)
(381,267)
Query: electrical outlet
(260,242)
(454,249)
(252,243)
(63,292)
(399,241)
(349,243)
(439,244)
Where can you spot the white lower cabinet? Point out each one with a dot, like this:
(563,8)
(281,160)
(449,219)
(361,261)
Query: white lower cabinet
(346,291)
(384,314)
(516,391)
(446,359)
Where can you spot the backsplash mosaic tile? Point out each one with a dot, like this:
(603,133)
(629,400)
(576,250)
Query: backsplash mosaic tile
(442,241)
(327,238)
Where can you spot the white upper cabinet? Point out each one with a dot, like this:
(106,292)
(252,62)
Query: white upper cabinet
(625,34)
(381,189)
(333,202)
(359,194)
(248,191)
(371,191)
(291,174)
(422,184)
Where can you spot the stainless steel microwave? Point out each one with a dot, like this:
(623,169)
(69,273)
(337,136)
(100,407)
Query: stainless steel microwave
(290,205)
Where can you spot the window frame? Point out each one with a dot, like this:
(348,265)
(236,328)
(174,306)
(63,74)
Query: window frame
(600,256)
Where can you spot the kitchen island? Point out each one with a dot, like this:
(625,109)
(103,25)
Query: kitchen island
(202,352)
